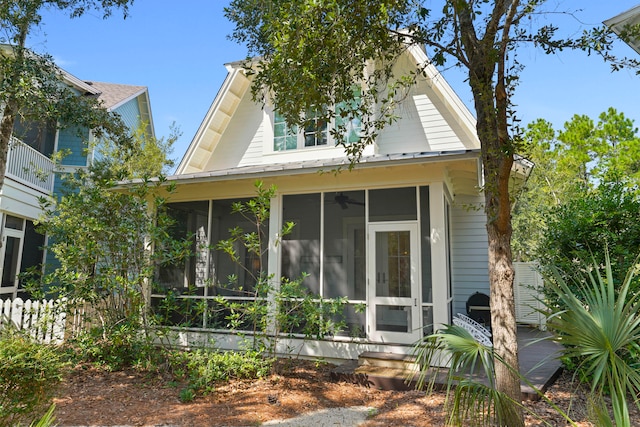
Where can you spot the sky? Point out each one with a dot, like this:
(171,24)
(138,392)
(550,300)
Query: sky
(178,50)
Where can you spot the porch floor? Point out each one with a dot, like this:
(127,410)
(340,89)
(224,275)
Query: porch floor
(539,363)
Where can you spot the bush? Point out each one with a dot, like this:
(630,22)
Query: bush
(204,368)
(581,230)
(123,345)
(29,373)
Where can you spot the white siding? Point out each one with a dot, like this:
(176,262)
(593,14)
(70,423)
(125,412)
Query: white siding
(406,135)
(435,124)
(241,143)
(469,254)
(20,200)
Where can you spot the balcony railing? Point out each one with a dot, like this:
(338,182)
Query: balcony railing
(29,167)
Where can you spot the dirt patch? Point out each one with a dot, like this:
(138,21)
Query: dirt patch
(97,398)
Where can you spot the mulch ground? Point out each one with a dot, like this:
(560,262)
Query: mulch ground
(93,397)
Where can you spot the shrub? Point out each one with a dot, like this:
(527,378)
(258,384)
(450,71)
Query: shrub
(121,346)
(580,231)
(29,373)
(204,368)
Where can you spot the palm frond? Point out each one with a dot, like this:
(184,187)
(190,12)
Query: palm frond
(600,325)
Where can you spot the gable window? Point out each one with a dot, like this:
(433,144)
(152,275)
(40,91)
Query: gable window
(284,136)
(287,137)
(316,133)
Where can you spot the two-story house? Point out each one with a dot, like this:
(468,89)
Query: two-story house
(402,234)
(31,173)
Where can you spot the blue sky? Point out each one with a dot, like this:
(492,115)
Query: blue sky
(178,50)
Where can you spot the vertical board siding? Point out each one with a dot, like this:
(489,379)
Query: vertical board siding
(469,254)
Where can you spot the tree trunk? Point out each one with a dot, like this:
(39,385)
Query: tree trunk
(497,160)
(503,322)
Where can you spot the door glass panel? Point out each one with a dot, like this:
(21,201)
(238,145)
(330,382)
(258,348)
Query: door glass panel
(427,320)
(393,261)
(10,265)
(393,318)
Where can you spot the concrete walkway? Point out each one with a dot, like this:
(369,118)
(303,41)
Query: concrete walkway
(332,417)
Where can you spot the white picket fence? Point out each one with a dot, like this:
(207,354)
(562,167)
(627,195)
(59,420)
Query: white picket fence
(43,320)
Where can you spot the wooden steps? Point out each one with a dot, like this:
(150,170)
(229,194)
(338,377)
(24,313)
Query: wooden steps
(384,371)
(539,362)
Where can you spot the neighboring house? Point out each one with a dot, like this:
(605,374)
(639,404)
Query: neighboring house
(403,232)
(622,23)
(31,173)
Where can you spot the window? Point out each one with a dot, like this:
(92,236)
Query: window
(284,136)
(316,133)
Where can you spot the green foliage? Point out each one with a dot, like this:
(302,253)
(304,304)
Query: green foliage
(277,308)
(311,54)
(599,326)
(31,89)
(204,369)
(47,420)
(145,157)
(302,63)
(601,223)
(122,345)
(29,373)
(101,240)
(570,164)
(467,399)
(105,262)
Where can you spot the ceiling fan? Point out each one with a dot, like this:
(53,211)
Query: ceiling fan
(344,201)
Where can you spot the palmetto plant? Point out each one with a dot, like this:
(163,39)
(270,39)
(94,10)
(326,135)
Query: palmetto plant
(599,327)
(472,398)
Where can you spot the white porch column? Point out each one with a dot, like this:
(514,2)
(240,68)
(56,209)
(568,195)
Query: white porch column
(439,255)
(273,264)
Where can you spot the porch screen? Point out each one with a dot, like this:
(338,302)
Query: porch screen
(232,278)
(344,245)
(392,204)
(301,248)
(190,223)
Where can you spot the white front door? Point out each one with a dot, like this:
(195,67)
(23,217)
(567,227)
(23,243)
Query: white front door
(393,295)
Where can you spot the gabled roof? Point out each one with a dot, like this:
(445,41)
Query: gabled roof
(626,19)
(113,95)
(215,122)
(236,84)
